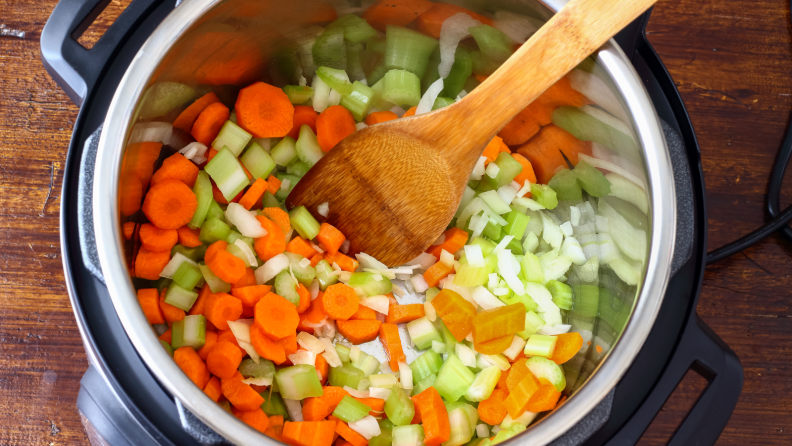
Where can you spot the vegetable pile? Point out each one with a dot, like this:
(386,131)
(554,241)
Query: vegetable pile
(270,313)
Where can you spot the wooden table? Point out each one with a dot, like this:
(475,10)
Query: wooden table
(731,61)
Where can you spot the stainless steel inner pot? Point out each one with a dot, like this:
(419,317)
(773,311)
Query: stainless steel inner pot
(166,56)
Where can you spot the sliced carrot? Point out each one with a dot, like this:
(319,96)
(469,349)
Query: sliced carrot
(176,167)
(208,124)
(544,399)
(188,237)
(527,172)
(271,244)
(401,314)
(276,316)
(139,160)
(299,245)
(520,395)
(228,336)
(211,154)
(544,151)
(279,216)
(210,341)
(149,264)
(493,346)
(359,331)
(333,124)
(273,184)
(309,433)
(567,346)
(436,273)
(187,118)
(520,129)
(493,148)
(305,298)
(223,360)
(228,267)
(498,322)
(170,204)
(264,110)
(455,240)
(395,12)
(265,346)
(253,194)
(171,313)
(391,342)
(351,437)
(345,262)
(322,368)
(517,372)
(241,395)
(314,315)
(318,257)
(156,239)
(380,116)
(129,229)
(250,295)
(330,239)
(192,365)
(214,248)
(432,20)
(456,312)
(167,336)
(364,313)
(503,378)
(249,279)
(340,301)
(377,405)
(319,407)
(303,115)
(221,308)
(410,112)
(149,303)
(434,417)
(275,428)
(212,389)
(491,410)
(255,418)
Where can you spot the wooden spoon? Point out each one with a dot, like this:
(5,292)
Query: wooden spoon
(394,187)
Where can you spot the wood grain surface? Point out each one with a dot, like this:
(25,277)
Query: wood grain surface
(732,62)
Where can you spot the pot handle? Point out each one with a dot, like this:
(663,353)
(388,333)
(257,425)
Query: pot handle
(73,67)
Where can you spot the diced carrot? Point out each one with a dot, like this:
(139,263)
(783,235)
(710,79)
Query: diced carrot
(214,248)
(149,303)
(276,316)
(221,308)
(156,239)
(176,167)
(345,262)
(299,245)
(130,194)
(170,204)
(188,237)
(212,389)
(241,395)
(265,346)
(264,110)
(503,378)
(434,417)
(223,360)
(279,216)
(544,151)
(139,160)
(340,301)
(255,418)
(271,244)
(401,314)
(314,315)
(432,20)
(498,322)
(250,295)
(330,239)
(303,115)
(493,346)
(171,313)
(318,257)
(455,240)
(273,184)
(208,124)
(544,399)
(364,313)
(359,331)
(149,265)
(226,266)
(210,341)
(391,342)
(333,124)
(456,312)
(254,193)
(192,365)
(228,335)
(305,298)
(319,407)
(187,118)
(567,346)
(520,395)
(211,154)
(377,405)
(352,437)
(491,410)
(322,367)
(167,336)
(129,229)
(493,149)
(380,116)
(526,174)
(395,12)
(249,279)
(309,433)
(275,428)
(517,372)
(410,112)
(436,273)
(520,129)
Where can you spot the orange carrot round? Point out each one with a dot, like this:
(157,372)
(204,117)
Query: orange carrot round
(221,308)
(265,346)
(241,395)
(212,389)
(271,244)
(176,167)
(209,122)
(139,160)
(250,295)
(256,419)
(340,301)
(299,245)
(544,399)
(188,237)
(333,125)
(228,336)
(192,365)
(381,116)
(130,194)
(303,115)
(249,279)
(226,266)
(211,340)
(365,313)
(395,12)
(171,313)
(410,112)
(264,110)
(170,204)
(491,410)
(129,230)
(149,303)
(401,314)
(289,344)
(279,216)
(187,118)
(149,264)
(330,239)
(214,248)
(494,346)
(359,331)
(223,360)
(567,346)
(156,239)
(276,316)
(517,372)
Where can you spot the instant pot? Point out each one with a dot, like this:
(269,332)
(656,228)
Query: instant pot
(133,393)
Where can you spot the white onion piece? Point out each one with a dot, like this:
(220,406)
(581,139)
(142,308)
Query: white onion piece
(529,203)
(594,88)
(271,268)
(405,375)
(303,357)
(294,407)
(199,159)
(438,347)
(566,229)
(367,261)
(479,169)
(430,312)
(360,126)
(492,170)
(507,193)
(323,209)
(572,249)
(378,303)
(321,94)
(245,248)
(176,261)
(330,353)
(446,258)
(506,269)
(399,291)
(474,256)
(424,261)
(482,431)
(517,26)
(419,283)
(607,165)
(285,184)
(551,232)
(453,30)
(354,353)
(398,111)
(237,215)
(556,329)
(428,99)
(192,150)
(326,330)
(260,381)
(379,392)
(241,329)
(439,240)
(357,393)
(317,248)
(151,132)
(485,299)
(314,289)
(366,426)
(500,291)
(466,355)
(334,98)
(515,348)
(524,190)
(310,343)
(574,216)
(503,243)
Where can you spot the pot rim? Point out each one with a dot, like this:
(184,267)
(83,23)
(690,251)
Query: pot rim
(109,239)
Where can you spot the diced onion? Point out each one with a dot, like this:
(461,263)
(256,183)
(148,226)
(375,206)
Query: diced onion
(360,126)
(574,216)
(479,169)
(430,312)
(566,229)
(419,283)
(439,240)
(453,30)
(345,247)
(529,203)
(271,268)
(334,98)
(485,299)
(507,193)
(357,393)
(597,91)
(303,357)
(314,289)
(241,329)
(524,190)
(260,381)
(367,261)
(285,184)
(327,329)
(482,431)
(294,407)
(151,132)
(492,170)
(398,111)
(481,223)
(310,343)
(366,426)
(330,353)
(323,209)
(438,347)
(321,94)
(424,261)
(379,392)
(556,329)
(193,149)
(466,355)
(571,248)
(398,291)
(506,270)
(446,258)
(245,248)
(474,256)
(317,248)
(428,99)
(247,224)
(378,303)
(493,281)
(503,243)
(515,348)
(174,264)
(607,165)
(501,291)
(354,353)
(405,375)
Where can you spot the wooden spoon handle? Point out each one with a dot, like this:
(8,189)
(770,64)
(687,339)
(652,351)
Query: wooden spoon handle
(573,34)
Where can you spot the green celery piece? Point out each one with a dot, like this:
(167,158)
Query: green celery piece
(167,347)
(484,384)
(447,337)
(516,223)
(486,183)
(257,161)
(350,409)
(471,83)
(162,97)
(284,152)
(356,29)
(385,438)
(586,300)
(585,127)
(285,66)
(163,283)
(492,231)
(504,435)
(237,252)
(216,284)
(376,45)
(307,147)
(232,136)
(298,94)
(343,352)
(402,88)
(410,435)
(544,195)
(304,223)
(493,43)
(179,297)
(227,173)
(486,246)
(273,404)
(453,379)
(215,211)
(269,200)
(454,83)
(540,345)
(298,382)
(346,375)
(533,322)
(566,186)
(233,236)
(329,49)
(514,245)
(428,363)
(423,332)
(368,364)
(282,193)
(297,168)
(526,300)
(203,194)
(432,73)
(286,287)
(355,60)
(189,332)
(399,408)
(377,100)
(409,50)
(213,230)
(613,310)
(359,101)
(463,423)
(323,270)
(304,274)
(376,73)
(442,102)
(482,65)
(369,285)
(509,169)
(547,369)
(531,269)
(338,80)
(471,276)
(187,276)
(562,294)
(424,384)
(592,180)
(264,369)
(431,293)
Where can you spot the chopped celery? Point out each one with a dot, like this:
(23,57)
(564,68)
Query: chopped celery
(586,127)
(495,202)
(423,332)
(343,352)
(298,168)
(187,276)
(409,435)
(355,60)
(385,438)
(505,434)
(562,294)
(544,195)
(203,194)
(409,50)
(566,186)
(399,408)
(540,345)
(592,180)
(493,43)
(524,299)
(269,200)
(486,246)
(285,66)
(586,300)
(514,244)
(216,284)
(227,173)
(453,379)
(432,73)
(471,83)
(338,80)
(257,161)
(233,236)
(298,94)
(492,231)
(547,369)
(509,168)
(179,297)
(232,136)
(482,65)
(377,100)
(533,322)
(355,28)
(350,409)
(167,347)
(346,375)
(307,147)
(462,417)
(162,97)
(194,254)
(376,45)
(442,102)
(358,101)
(304,223)
(531,269)
(369,283)
(428,363)
(454,83)
(329,49)
(448,338)
(304,274)
(366,363)
(484,384)
(163,283)
(215,211)
(323,271)
(273,404)
(282,193)
(264,369)
(189,332)
(516,223)
(424,384)
(213,230)
(377,73)
(298,382)
(402,88)
(286,287)
(284,152)
(431,293)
